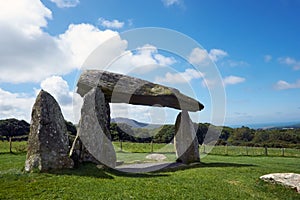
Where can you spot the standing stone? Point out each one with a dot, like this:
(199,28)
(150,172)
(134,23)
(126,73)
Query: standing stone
(186,142)
(48,143)
(80,154)
(94,131)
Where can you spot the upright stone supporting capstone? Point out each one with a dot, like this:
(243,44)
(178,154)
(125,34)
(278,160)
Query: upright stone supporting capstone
(185,141)
(48,143)
(94,131)
(80,154)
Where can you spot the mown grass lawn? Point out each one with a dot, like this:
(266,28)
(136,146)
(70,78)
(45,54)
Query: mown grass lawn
(218,177)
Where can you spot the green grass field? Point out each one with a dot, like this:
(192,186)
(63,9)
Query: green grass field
(217,177)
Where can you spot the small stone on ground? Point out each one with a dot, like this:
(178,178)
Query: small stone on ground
(291,180)
(156,156)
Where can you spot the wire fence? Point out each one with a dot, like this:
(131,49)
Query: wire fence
(250,151)
(212,150)
(169,148)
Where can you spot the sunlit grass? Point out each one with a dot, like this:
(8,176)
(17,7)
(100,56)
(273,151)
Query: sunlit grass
(217,177)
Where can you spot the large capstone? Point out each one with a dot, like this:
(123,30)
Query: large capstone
(94,130)
(186,142)
(48,143)
(120,88)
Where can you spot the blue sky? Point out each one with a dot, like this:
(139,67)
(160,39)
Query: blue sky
(254,44)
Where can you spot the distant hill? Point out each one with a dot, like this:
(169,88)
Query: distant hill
(296,126)
(293,126)
(133,123)
(268,126)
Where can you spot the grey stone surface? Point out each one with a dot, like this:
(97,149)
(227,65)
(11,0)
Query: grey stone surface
(48,143)
(80,154)
(185,140)
(94,128)
(125,89)
(291,180)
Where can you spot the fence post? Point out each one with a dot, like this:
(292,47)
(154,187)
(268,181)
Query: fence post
(151,146)
(10,145)
(121,146)
(266,151)
(283,152)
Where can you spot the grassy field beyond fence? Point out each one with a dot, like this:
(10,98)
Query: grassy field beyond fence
(169,148)
(253,151)
(217,150)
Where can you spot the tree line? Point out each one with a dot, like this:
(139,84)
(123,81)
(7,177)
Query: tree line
(242,136)
(13,129)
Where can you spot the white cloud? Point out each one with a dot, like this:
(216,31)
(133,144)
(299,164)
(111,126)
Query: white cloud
(26,16)
(129,111)
(295,64)
(234,63)
(143,56)
(147,114)
(217,54)
(69,101)
(114,24)
(26,59)
(65,3)
(19,105)
(210,83)
(29,54)
(232,80)
(202,56)
(80,40)
(198,56)
(168,3)
(283,85)
(181,77)
(164,61)
(15,105)
(58,88)
(142,60)
(287,61)
(267,58)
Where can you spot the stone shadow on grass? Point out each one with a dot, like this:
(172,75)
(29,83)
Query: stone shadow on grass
(8,153)
(91,170)
(178,166)
(136,175)
(85,169)
(13,153)
(221,164)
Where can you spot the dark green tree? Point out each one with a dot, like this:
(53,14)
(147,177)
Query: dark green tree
(241,136)
(71,128)
(165,134)
(10,128)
